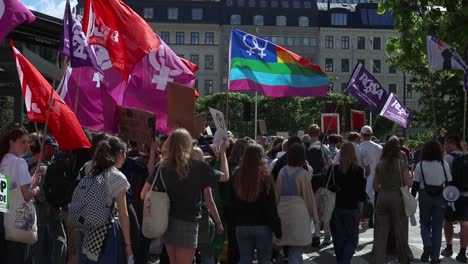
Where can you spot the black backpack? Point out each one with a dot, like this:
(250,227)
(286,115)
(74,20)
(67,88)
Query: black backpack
(315,159)
(460,172)
(60,180)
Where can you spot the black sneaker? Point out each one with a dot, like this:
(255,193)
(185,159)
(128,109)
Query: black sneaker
(425,255)
(447,253)
(316,241)
(461,258)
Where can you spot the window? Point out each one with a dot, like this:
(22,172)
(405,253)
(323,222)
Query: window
(263,3)
(180,38)
(235,20)
(344,42)
(330,85)
(240,3)
(310,41)
(303,21)
(392,88)
(344,65)
(376,66)
(285,3)
(274,3)
(173,13)
(197,14)
(278,40)
(307,4)
(194,38)
(251,3)
(148,13)
(209,87)
(391,69)
(361,43)
(409,91)
(343,87)
(362,61)
(329,42)
(281,20)
(376,43)
(328,64)
(209,61)
(209,38)
(195,59)
(296,4)
(339,19)
(165,37)
(258,20)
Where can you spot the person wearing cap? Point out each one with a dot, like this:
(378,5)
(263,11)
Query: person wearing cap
(373,151)
(50,231)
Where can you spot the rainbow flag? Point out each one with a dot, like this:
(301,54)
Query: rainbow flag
(257,64)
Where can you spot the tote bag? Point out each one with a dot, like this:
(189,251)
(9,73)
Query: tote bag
(20,222)
(155,210)
(409,201)
(327,199)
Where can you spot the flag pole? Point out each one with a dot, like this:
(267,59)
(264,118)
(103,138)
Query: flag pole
(227,109)
(57,60)
(433,106)
(464,116)
(370,118)
(256,104)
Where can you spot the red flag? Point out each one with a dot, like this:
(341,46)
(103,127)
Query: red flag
(36,91)
(330,123)
(192,66)
(358,119)
(115,26)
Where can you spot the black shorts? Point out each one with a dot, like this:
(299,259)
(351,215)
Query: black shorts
(461,210)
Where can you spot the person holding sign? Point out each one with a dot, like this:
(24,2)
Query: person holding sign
(23,188)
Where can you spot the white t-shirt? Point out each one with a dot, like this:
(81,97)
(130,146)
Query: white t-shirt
(361,156)
(19,170)
(433,173)
(372,151)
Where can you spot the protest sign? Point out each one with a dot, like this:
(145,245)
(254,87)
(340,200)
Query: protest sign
(4,193)
(199,124)
(181,106)
(330,123)
(136,126)
(218,118)
(358,119)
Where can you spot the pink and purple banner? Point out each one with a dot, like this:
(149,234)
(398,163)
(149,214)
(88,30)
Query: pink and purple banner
(395,111)
(12,14)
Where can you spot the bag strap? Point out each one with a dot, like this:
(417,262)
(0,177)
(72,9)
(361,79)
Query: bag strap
(445,173)
(422,172)
(158,173)
(332,175)
(401,173)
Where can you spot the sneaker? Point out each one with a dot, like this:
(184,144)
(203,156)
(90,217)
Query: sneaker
(461,258)
(447,253)
(316,241)
(425,255)
(326,242)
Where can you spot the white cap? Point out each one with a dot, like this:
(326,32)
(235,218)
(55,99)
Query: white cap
(366,130)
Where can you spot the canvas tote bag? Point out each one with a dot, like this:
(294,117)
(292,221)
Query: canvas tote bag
(156,210)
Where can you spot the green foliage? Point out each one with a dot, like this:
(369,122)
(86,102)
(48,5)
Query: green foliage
(446,20)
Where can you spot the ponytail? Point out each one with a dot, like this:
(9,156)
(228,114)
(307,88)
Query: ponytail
(14,134)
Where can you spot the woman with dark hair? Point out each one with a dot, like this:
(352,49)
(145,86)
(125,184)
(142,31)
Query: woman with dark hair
(13,146)
(185,180)
(254,207)
(350,187)
(391,173)
(296,203)
(110,243)
(431,174)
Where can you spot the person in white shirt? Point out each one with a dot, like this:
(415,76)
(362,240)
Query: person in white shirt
(431,174)
(372,151)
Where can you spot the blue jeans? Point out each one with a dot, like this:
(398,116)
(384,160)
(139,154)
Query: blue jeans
(345,231)
(431,217)
(295,255)
(250,238)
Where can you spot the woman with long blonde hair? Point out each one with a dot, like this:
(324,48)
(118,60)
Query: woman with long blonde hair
(347,181)
(253,207)
(185,179)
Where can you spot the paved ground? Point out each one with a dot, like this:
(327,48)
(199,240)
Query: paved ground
(362,256)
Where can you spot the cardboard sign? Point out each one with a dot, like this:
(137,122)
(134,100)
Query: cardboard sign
(282,134)
(199,124)
(4,193)
(300,133)
(262,126)
(218,118)
(180,106)
(358,119)
(137,126)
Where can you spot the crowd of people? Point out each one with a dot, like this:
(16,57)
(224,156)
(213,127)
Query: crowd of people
(243,200)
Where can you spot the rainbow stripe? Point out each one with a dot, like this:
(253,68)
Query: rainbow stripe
(257,64)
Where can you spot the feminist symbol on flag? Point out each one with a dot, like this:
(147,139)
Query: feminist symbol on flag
(165,73)
(2,8)
(399,108)
(256,45)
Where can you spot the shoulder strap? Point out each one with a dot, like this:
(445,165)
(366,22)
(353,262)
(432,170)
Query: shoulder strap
(332,175)
(158,173)
(422,172)
(445,173)
(401,173)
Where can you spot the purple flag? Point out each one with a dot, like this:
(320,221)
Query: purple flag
(146,88)
(396,112)
(12,14)
(365,87)
(74,42)
(96,89)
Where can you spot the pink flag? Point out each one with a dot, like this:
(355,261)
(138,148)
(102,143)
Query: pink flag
(146,88)
(12,14)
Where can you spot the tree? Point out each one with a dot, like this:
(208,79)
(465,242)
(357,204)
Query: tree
(446,20)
